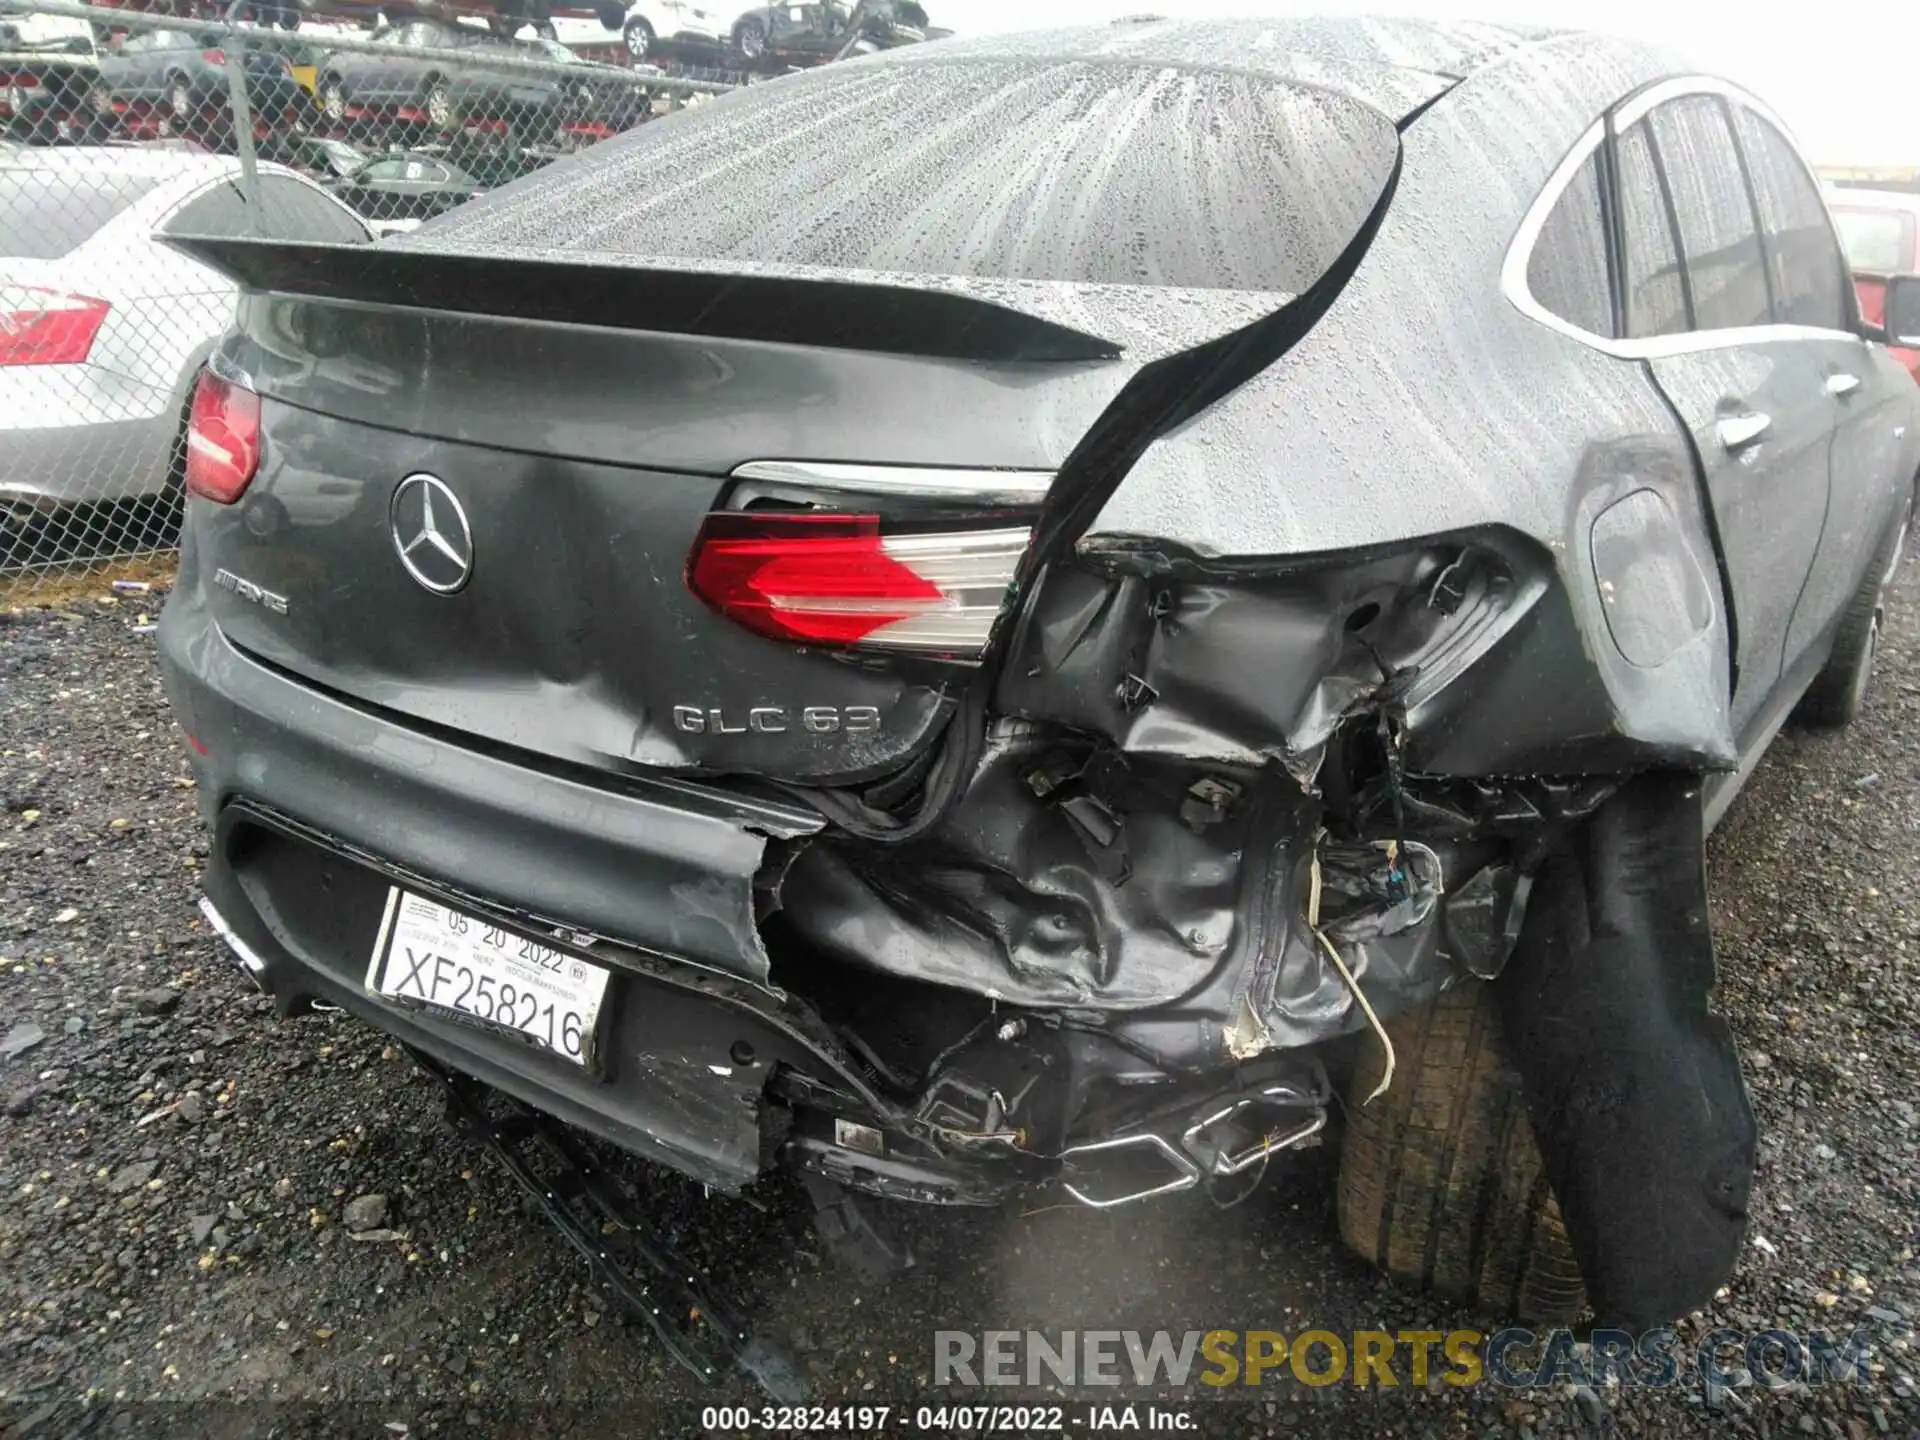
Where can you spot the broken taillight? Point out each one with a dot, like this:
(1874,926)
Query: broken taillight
(854,580)
(46,327)
(223,439)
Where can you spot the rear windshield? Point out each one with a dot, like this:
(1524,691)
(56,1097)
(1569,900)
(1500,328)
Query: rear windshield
(1102,172)
(1875,239)
(45,214)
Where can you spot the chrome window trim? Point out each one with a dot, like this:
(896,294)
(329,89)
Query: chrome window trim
(919,482)
(1513,270)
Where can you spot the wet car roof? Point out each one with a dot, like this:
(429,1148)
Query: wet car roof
(1396,65)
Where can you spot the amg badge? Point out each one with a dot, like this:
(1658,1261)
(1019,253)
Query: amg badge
(247,590)
(777,720)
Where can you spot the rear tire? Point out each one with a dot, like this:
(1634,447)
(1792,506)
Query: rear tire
(1839,692)
(639,37)
(1441,1183)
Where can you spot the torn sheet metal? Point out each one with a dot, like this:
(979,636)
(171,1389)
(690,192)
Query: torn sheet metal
(1075,879)
(1247,671)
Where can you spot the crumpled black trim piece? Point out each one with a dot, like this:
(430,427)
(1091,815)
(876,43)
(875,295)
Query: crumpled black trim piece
(1633,1082)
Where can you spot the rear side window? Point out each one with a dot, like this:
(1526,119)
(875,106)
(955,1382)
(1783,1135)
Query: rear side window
(289,210)
(1726,270)
(1809,276)
(45,214)
(1656,291)
(294,210)
(1567,271)
(219,210)
(1875,239)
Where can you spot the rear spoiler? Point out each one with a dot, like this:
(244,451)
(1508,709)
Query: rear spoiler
(834,314)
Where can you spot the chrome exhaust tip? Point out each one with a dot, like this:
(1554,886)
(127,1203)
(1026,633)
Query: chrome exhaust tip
(249,959)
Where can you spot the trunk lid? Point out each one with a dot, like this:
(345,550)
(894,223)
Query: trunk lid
(569,431)
(573,465)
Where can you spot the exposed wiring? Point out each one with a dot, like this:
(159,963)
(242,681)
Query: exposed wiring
(1353,985)
(1259,1174)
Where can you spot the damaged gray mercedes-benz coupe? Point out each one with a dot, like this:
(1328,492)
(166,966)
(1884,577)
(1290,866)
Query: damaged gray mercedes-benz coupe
(1066,612)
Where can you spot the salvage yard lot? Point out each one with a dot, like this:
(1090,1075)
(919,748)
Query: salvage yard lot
(176,1163)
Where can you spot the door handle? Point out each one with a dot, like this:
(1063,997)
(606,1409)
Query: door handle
(1842,382)
(1737,432)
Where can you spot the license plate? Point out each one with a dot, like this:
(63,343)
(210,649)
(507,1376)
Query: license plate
(434,955)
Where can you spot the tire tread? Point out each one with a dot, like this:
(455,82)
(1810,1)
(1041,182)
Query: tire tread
(1441,1184)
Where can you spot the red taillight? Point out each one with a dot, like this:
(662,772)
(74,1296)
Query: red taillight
(214,57)
(45,327)
(845,579)
(223,439)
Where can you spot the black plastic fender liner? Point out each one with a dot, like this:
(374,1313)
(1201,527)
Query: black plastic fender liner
(1633,1083)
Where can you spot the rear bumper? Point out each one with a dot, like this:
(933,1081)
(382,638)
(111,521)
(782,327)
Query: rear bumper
(664,867)
(318,806)
(687,1059)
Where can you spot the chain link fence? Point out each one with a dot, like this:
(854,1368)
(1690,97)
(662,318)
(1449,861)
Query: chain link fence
(120,125)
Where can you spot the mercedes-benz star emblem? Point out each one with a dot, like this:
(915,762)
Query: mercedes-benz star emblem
(430,533)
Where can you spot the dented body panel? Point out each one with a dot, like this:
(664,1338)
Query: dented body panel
(1366,635)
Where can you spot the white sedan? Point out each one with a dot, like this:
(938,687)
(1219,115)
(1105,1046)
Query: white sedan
(651,21)
(102,326)
(649,26)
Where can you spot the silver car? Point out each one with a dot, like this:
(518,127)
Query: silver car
(102,327)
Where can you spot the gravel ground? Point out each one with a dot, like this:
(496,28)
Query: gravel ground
(176,1163)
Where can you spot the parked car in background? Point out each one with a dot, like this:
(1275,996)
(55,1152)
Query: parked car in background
(654,25)
(1881,232)
(585,35)
(102,326)
(596,99)
(285,14)
(399,189)
(437,72)
(181,74)
(811,34)
(307,50)
(1044,792)
(48,70)
(329,157)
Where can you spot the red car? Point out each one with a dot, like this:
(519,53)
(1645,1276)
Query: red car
(1881,232)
